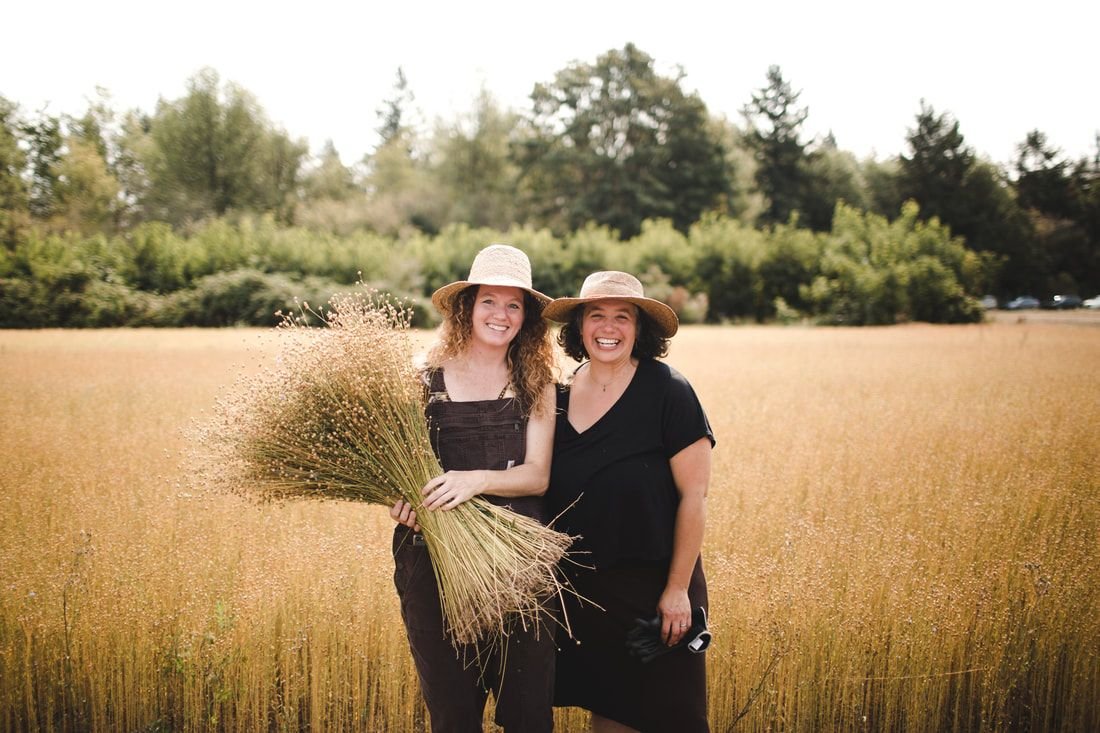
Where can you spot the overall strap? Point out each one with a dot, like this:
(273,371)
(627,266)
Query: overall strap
(434,385)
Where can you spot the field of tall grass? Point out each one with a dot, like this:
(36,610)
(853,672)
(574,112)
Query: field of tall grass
(903,534)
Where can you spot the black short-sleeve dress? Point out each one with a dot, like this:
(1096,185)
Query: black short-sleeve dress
(612,485)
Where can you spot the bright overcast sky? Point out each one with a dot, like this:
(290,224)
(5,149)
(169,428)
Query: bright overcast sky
(322,68)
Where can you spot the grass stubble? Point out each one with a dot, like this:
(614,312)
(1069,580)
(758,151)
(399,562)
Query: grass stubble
(903,530)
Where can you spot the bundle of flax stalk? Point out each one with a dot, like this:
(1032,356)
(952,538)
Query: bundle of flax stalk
(341,416)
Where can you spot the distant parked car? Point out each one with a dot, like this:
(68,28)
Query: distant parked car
(988,302)
(1092,302)
(1023,302)
(1063,302)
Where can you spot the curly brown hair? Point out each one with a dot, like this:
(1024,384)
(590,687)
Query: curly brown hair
(530,355)
(648,341)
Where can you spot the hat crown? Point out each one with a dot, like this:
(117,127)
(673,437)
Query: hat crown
(614,285)
(501,264)
(611,284)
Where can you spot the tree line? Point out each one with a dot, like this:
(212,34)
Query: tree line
(162,217)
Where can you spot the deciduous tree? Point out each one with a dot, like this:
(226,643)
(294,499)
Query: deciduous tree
(832,175)
(214,151)
(330,178)
(43,139)
(474,165)
(615,143)
(13,190)
(87,193)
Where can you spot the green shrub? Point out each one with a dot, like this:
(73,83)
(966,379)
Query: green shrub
(867,270)
(238,298)
(875,272)
(74,299)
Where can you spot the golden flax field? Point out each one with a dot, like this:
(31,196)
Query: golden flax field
(903,534)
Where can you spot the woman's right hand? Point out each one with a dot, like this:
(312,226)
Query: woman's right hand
(402,513)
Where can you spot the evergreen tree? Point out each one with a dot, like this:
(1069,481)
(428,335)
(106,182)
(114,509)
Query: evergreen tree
(972,197)
(393,116)
(1056,194)
(401,193)
(774,130)
(1044,180)
(832,175)
(935,172)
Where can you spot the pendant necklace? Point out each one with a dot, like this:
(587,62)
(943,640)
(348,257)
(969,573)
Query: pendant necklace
(603,386)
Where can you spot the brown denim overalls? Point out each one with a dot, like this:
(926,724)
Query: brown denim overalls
(484,434)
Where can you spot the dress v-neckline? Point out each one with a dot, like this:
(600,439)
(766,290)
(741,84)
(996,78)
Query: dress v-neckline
(608,411)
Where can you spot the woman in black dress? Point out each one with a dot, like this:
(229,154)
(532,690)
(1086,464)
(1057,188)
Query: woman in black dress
(629,475)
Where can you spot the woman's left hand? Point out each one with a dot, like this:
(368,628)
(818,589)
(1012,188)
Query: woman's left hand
(451,489)
(675,610)
(403,513)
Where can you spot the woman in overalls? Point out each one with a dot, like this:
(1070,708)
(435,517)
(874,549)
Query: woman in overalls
(490,411)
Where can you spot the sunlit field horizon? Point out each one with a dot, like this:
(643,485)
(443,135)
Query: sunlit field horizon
(903,534)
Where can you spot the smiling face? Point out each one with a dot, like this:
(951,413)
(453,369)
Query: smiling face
(608,329)
(497,315)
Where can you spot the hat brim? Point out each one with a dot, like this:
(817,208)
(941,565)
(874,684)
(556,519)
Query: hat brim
(561,310)
(443,298)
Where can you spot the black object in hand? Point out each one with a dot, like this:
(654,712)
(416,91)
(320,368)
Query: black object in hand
(644,639)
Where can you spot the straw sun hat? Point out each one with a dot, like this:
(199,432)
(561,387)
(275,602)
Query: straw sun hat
(497,264)
(608,285)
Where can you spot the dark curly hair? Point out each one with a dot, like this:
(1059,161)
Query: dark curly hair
(530,355)
(648,341)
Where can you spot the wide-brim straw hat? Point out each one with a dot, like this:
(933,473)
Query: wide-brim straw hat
(614,285)
(497,264)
